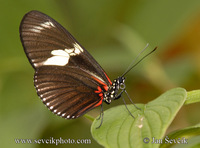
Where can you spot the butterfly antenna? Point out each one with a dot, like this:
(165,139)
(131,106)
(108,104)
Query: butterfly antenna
(132,66)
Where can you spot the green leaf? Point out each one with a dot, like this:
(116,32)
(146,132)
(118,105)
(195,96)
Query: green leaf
(190,134)
(193,97)
(119,129)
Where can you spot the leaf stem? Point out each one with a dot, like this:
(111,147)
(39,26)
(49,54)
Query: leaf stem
(89,117)
(193,97)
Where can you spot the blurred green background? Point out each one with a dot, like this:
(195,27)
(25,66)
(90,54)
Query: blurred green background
(114,32)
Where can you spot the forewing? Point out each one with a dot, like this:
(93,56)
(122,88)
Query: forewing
(47,43)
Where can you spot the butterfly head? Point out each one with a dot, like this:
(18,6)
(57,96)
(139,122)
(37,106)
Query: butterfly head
(112,93)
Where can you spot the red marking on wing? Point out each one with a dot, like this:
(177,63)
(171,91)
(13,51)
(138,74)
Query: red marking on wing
(100,82)
(99,90)
(108,78)
(100,102)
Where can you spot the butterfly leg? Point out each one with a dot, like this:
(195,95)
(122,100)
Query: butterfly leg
(100,116)
(119,95)
(101,112)
(127,108)
(131,100)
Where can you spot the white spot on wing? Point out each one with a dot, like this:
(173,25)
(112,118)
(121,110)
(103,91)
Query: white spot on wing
(42,26)
(69,50)
(38,27)
(35,30)
(36,64)
(77,48)
(47,24)
(61,57)
(59,53)
(63,114)
(57,60)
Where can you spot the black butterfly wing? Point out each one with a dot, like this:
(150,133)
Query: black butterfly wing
(67,92)
(67,77)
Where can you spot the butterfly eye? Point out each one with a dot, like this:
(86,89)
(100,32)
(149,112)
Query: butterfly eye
(122,86)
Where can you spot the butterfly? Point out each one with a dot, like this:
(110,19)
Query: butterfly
(67,78)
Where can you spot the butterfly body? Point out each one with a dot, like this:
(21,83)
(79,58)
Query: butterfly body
(112,92)
(67,78)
